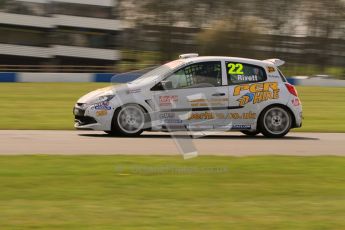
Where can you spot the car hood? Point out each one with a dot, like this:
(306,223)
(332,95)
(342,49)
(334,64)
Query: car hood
(110,90)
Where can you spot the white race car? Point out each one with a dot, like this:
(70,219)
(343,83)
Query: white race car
(196,93)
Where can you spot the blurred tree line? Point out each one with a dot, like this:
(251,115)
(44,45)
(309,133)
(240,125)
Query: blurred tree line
(304,32)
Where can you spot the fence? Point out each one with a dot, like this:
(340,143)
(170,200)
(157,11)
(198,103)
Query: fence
(57,68)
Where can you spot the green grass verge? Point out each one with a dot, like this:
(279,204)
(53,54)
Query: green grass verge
(323,109)
(41,105)
(49,106)
(87,192)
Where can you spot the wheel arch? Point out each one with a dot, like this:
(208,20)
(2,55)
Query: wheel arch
(293,122)
(130,103)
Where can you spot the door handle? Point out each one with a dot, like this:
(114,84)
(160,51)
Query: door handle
(218,94)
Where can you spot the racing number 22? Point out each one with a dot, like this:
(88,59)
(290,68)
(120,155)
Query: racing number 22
(235,68)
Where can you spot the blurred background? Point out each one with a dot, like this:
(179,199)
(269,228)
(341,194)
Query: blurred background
(112,36)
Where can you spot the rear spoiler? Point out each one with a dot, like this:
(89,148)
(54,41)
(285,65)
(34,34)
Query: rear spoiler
(275,61)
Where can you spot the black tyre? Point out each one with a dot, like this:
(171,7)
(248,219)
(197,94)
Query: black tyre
(112,133)
(275,122)
(129,121)
(250,133)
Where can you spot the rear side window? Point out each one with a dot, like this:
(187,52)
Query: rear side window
(282,76)
(240,73)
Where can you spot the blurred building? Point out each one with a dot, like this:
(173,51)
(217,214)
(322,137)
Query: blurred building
(59,32)
(156,37)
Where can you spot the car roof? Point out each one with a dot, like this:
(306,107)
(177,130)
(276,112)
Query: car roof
(234,59)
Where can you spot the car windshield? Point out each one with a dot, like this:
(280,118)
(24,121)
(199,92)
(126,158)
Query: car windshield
(159,71)
(130,76)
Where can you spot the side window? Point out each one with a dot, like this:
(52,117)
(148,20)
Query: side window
(198,75)
(282,76)
(240,73)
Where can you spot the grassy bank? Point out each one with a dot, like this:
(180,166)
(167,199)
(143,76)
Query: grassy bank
(49,106)
(120,192)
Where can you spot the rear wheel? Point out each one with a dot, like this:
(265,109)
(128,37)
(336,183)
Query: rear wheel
(250,133)
(275,122)
(129,121)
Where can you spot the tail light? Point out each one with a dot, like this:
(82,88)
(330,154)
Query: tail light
(291,89)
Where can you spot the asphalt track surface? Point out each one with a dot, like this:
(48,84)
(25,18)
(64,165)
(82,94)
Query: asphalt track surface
(15,142)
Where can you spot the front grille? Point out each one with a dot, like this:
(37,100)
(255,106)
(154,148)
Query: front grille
(81,120)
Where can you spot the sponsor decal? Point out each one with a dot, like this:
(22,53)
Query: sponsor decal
(204,116)
(175,126)
(168,100)
(240,127)
(210,102)
(200,126)
(296,102)
(273,76)
(172,121)
(247,78)
(169,118)
(271,69)
(101,113)
(235,71)
(258,92)
(246,116)
(130,91)
(102,106)
(235,68)
(233,116)
(166,115)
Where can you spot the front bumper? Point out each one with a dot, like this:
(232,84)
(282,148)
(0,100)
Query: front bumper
(95,126)
(78,111)
(84,120)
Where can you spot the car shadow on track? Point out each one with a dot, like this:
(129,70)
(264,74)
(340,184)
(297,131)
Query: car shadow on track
(219,137)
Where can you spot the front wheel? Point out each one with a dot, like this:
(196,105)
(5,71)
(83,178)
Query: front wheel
(275,122)
(250,133)
(129,121)
(112,133)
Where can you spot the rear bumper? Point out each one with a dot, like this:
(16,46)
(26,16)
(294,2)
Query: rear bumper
(298,118)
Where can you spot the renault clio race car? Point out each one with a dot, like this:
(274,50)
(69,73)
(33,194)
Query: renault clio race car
(196,93)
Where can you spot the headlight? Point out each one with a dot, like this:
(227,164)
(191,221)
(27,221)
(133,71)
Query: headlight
(100,99)
(106,98)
